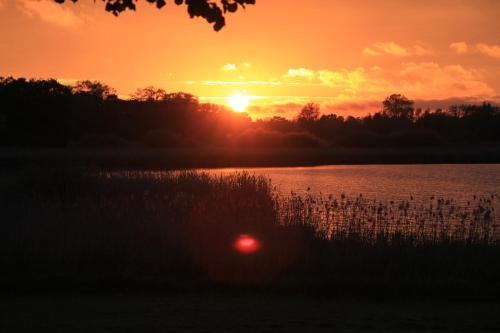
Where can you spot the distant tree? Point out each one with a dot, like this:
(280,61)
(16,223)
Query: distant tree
(309,113)
(182,96)
(398,106)
(418,113)
(23,88)
(34,112)
(277,123)
(95,89)
(473,110)
(212,11)
(42,113)
(182,100)
(149,94)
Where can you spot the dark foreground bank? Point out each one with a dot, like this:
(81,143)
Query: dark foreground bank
(190,313)
(245,157)
(98,231)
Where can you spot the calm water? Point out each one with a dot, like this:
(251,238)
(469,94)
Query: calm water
(385,182)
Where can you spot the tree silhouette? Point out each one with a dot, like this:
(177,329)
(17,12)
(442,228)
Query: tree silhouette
(309,113)
(45,113)
(149,94)
(211,11)
(95,89)
(398,106)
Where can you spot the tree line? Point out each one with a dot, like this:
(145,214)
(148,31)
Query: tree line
(46,113)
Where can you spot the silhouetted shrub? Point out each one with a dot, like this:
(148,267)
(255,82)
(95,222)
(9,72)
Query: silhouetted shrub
(360,138)
(166,139)
(301,139)
(259,138)
(415,138)
(45,113)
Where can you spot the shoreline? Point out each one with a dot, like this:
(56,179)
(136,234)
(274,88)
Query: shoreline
(189,158)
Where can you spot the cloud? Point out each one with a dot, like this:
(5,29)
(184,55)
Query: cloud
(50,12)
(282,109)
(394,49)
(300,73)
(290,110)
(234,67)
(68,81)
(234,83)
(415,79)
(391,48)
(349,80)
(228,68)
(342,83)
(430,80)
(371,52)
(359,108)
(492,51)
(459,47)
(447,102)
(342,78)
(357,90)
(420,49)
(489,50)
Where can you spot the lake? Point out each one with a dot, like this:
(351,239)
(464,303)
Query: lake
(385,182)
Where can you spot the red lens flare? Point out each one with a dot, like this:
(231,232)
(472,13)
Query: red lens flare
(247,244)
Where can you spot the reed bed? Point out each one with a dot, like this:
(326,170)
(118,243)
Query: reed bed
(434,220)
(63,228)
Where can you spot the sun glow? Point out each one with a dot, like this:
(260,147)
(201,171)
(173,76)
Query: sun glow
(238,102)
(247,244)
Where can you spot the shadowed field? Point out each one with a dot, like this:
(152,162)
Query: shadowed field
(247,157)
(191,313)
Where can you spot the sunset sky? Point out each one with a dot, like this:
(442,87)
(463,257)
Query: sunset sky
(345,55)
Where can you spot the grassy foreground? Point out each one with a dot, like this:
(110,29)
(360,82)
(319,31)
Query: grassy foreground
(81,229)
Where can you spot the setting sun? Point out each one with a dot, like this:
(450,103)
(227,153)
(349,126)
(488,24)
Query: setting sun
(280,164)
(238,102)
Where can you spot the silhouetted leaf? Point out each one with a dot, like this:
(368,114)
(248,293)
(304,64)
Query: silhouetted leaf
(208,9)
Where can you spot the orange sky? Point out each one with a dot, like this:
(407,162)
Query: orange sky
(343,54)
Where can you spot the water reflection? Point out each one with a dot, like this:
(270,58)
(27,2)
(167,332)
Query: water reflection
(385,182)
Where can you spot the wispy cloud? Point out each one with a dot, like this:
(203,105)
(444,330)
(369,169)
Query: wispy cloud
(50,12)
(68,81)
(492,51)
(233,83)
(420,49)
(394,49)
(431,80)
(377,49)
(300,73)
(417,79)
(459,47)
(489,50)
(284,107)
(230,67)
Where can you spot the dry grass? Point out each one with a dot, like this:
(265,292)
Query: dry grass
(435,220)
(68,228)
